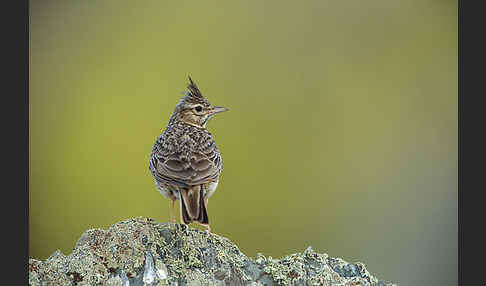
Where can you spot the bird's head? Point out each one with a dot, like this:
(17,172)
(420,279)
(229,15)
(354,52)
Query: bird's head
(194,109)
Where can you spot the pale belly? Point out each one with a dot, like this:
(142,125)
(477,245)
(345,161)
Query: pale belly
(168,191)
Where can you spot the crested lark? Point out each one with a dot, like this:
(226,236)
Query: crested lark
(185,160)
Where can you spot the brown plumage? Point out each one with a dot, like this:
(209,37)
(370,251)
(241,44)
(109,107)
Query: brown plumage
(185,161)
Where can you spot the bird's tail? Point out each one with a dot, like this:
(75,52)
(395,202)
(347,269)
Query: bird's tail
(192,205)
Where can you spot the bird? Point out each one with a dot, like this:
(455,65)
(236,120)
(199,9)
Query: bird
(185,162)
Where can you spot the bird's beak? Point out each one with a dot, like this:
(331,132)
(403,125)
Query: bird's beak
(218,109)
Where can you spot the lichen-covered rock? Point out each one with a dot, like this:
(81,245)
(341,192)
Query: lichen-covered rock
(144,252)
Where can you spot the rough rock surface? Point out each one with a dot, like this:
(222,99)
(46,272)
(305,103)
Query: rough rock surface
(142,251)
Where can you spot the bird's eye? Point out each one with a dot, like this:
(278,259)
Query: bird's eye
(198,108)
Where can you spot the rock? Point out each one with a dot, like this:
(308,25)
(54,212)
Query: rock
(143,252)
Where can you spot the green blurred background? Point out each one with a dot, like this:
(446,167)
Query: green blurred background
(342,132)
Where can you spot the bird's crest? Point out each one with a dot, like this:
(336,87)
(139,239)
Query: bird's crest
(193,88)
(194,95)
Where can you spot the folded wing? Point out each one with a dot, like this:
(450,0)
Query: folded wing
(186,169)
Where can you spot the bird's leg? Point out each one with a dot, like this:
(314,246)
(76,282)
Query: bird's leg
(171,207)
(208,228)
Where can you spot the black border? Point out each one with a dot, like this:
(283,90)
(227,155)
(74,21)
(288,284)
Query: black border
(26,8)
(471,131)
(15,138)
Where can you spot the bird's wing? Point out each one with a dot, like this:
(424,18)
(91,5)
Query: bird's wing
(186,169)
